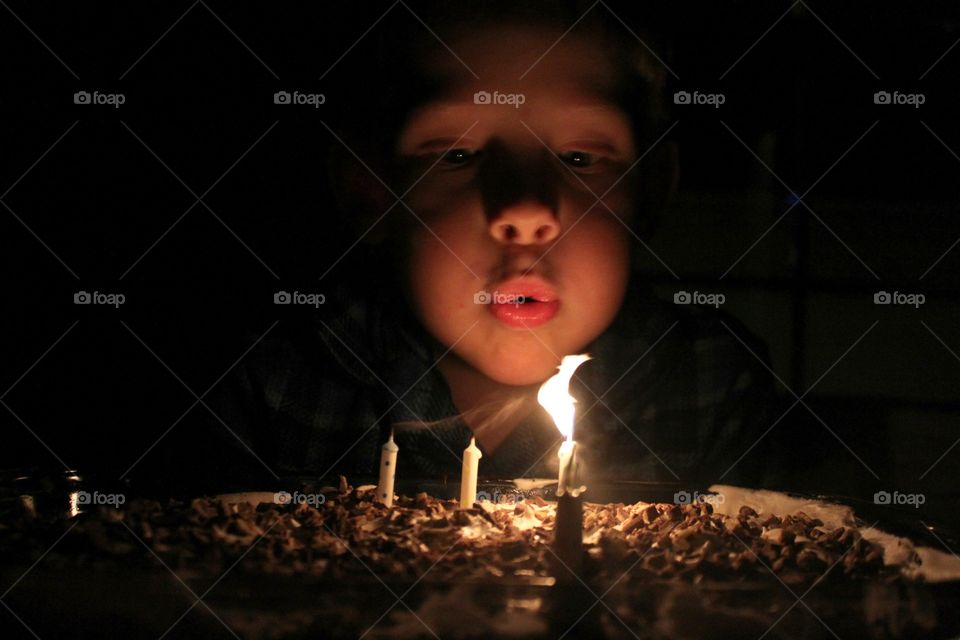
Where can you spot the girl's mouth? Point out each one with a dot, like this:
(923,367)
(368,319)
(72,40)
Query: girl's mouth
(527,314)
(524,303)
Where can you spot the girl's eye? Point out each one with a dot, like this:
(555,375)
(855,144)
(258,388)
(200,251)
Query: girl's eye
(579,159)
(459,156)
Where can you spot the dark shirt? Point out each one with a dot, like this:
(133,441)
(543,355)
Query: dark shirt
(671,394)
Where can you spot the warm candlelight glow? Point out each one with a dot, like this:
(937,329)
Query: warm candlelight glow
(554,395)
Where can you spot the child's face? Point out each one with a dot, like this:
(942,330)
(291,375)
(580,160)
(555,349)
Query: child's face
(504,214)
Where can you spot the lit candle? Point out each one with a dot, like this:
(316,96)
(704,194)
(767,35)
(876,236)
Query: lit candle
(388,468)
(568,482)
(555,397)
(468,477)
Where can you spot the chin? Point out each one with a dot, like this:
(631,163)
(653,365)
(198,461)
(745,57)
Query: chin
(518,370)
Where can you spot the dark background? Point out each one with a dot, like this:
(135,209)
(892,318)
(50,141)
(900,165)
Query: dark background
(97,198)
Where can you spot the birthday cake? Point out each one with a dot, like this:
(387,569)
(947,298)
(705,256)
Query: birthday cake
(676,571)
(347,532)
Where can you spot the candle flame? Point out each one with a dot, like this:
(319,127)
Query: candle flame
(554,394)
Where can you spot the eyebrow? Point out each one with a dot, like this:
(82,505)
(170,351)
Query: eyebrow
(596,114)
(446,107)
(599,109)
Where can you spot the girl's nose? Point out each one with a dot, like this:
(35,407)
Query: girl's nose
(525,223)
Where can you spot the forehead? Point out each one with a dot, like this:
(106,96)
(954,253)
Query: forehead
(522,58)
(563,78)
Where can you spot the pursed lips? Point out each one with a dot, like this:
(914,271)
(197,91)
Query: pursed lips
(524,303)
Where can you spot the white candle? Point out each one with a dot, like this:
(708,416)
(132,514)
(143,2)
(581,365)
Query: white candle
(388,468)
(468,477)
